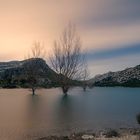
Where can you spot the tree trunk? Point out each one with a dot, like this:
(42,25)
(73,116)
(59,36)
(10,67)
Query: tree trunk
(65,89)
(33,91)
(84,88)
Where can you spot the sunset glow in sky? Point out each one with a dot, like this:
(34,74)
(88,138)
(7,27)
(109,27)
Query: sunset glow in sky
(109,29)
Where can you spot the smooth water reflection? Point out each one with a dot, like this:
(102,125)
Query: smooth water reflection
(23,116)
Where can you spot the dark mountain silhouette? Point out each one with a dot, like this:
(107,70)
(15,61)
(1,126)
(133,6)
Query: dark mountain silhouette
(12,74)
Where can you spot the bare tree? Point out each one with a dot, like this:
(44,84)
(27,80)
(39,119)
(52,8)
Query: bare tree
(37,50)
(33,66)
(85,76)
(67,58)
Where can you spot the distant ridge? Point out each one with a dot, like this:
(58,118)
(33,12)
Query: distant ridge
(129,77)
(12,74)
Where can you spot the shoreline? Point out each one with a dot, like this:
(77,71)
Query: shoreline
(106,134)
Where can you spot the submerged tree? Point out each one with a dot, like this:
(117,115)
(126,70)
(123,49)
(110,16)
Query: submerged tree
(33,66)
(67,58)
(85,76)
(138,118)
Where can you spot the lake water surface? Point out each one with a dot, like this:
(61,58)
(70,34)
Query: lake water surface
(23,116)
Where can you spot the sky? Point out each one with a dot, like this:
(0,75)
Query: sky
(109,29)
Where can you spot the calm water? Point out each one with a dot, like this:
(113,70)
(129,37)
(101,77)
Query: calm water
(23,116)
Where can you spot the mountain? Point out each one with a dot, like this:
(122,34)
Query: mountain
(129,77)
(12,74)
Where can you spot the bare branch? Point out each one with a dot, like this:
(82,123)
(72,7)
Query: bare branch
(37,50)
(67,58)
(34,65)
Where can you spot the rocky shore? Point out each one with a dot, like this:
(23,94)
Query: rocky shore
(108,134)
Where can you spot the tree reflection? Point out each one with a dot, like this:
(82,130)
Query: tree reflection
(33,111)
(64,112)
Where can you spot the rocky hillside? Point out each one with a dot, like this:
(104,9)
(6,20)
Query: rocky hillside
(128,77)
(12,74)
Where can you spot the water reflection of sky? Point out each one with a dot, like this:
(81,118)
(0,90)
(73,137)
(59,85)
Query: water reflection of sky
(50,112)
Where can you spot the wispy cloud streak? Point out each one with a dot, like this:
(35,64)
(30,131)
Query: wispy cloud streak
(113,53)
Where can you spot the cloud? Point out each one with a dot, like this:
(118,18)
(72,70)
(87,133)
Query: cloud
(113,53)
(102,37)
(108,28)
(113,13)
(101,66)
